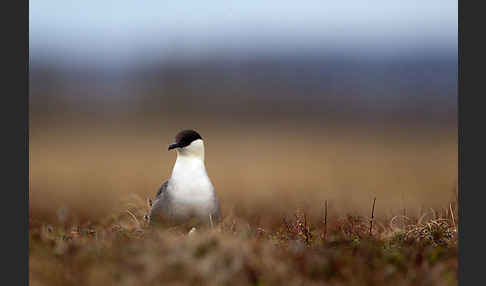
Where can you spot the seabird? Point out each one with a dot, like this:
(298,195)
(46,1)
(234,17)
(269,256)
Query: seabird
(188,196)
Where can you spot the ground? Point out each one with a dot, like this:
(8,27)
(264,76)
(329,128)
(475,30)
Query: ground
(89,185)
(289,250)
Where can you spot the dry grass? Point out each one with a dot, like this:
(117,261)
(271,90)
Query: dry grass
(123,250)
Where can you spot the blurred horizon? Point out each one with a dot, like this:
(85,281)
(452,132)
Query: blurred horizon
(345,61)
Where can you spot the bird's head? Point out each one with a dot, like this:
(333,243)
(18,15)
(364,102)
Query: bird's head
(188,143)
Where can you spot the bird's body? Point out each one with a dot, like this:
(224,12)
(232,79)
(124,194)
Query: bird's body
(188,196)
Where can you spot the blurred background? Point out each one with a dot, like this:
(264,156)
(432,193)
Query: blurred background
(298,102)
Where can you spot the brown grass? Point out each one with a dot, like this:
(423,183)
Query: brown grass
(123,250)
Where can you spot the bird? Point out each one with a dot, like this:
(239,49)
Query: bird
(188,196)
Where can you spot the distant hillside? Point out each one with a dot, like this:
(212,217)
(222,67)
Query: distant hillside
(410,88)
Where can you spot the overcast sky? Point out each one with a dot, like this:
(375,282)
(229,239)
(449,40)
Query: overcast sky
(123,30)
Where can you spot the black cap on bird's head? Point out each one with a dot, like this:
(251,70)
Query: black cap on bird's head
(184,138)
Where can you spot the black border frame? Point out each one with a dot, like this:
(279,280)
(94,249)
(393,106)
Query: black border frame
(15,200)
(471,157)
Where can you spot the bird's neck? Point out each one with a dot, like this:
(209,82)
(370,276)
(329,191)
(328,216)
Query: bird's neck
(186,167)
(193,151)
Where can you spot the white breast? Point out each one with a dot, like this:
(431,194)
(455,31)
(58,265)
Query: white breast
(190,187)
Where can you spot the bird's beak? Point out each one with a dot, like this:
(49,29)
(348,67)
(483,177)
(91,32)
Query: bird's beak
(173,146)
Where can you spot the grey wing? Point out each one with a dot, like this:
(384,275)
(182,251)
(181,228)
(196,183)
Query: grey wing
(162,190)
(216,215)
(161,202)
